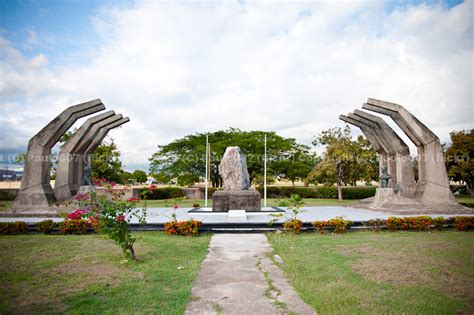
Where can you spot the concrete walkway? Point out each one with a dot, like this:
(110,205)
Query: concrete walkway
(237,277)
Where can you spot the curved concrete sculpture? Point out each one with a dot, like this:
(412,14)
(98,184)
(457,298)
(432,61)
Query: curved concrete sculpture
(371,137)
(433,184)
(80,157)
(63,186)
(388,148)
(405,178)
(35,189)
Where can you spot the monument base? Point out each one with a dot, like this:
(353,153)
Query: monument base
(85,189)
(39,195)
(225,200)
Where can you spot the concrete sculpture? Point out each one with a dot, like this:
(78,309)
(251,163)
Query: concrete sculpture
(432,188)
(35,189)
(63,187)
(404,177)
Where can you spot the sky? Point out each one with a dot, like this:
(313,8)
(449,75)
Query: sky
(180,67)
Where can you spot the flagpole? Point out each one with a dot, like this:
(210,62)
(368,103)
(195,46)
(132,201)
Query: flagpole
(265,175)
(207,167)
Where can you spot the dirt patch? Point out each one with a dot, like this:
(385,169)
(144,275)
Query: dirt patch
(424,263)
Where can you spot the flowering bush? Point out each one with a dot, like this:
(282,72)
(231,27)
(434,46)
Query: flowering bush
(293,226)
(46,226)
(439,223)
(338,224)
(421,223)
(321,226)
(110,216)
(18,227)
(186,228)
(464,223)
(375,224)
(74,226)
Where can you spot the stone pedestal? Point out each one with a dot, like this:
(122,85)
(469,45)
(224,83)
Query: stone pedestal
(382,195)
(85,189)
(223,201)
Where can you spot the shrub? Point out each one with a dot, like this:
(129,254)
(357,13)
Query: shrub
(74,226)
(321,226)
(394,223)
(46,226)
(154,193)
(439,223)
(375,224)
(10,228)
(7,195)
(326,192)
(339,224)
(421,223)
(186,228)
(358,192)
(464,223)
(293,226)
(196,205)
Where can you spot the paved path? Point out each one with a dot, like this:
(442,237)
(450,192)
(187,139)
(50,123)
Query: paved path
(237,277)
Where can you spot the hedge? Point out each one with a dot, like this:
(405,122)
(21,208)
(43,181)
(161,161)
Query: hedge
(323,192)
(161,193)
(7,195)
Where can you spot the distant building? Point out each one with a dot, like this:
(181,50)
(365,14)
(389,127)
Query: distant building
(7,175)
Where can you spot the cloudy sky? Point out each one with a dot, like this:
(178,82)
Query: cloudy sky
(177,68)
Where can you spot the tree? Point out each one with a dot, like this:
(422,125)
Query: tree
(20,158)
(345,160)
(297,166)
(106,161)
(183,159)
(139,176)
(460,158)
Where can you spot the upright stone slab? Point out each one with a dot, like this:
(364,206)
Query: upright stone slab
(63,186)
(433,184)
(371,137)
(233,170)
(35,190)
(389,149)
(236,194)
(80,158)
(405,179)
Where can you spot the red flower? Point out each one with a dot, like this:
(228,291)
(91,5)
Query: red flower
(133,199)
(121,218)
(175,206)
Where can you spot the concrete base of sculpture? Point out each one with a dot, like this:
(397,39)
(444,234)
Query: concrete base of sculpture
(225,200)
(387,201)
(40,196)
(85,189)
(66,192)
(432,194)
(382,195)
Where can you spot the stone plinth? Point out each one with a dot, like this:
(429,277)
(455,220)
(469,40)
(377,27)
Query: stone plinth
(223,201)
(382,195)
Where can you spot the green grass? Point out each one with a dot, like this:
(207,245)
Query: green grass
(52,274)
(381,273)
(4,205)
(186,203)
(466,199)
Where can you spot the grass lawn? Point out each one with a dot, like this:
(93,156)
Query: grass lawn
(48,274)
(381,273)
(186,203)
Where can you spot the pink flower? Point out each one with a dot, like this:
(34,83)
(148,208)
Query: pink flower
(121,218)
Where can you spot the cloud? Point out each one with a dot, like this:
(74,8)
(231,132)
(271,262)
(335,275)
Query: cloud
(179,68)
